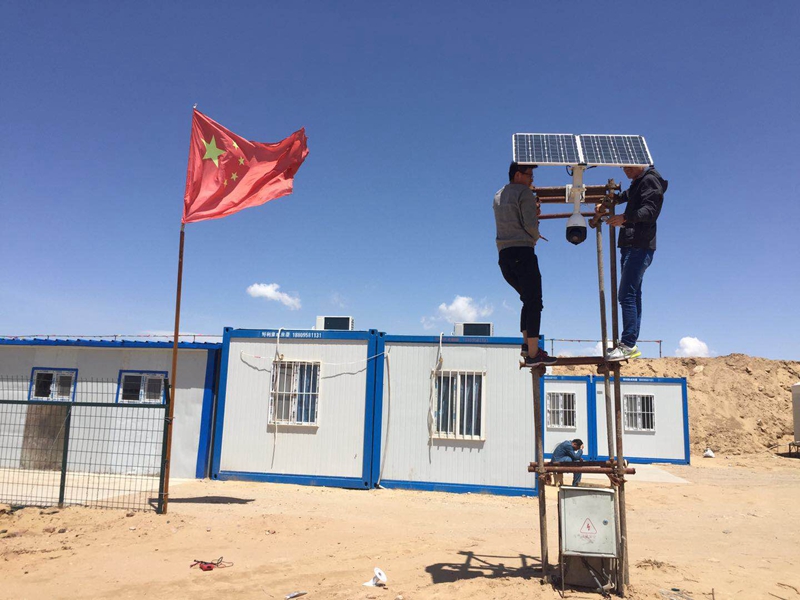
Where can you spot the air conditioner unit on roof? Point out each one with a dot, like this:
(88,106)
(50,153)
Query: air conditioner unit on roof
(474,329)
(335,323)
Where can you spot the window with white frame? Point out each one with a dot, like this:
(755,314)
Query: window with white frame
(640,412)
(52,384)
(459,405)
(294,396)
(141,387)
(561,410)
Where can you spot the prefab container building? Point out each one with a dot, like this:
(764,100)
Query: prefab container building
(455,414)
(450,413)
(361,409)
(655,420)
(654,416)
(297,407)
(567,412)
(58,369)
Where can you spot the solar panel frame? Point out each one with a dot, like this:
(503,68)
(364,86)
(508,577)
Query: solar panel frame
(614,150)
(556,149)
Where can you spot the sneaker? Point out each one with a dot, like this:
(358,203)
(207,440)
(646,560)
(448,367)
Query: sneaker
(623,352)
(523,351)
(541,358)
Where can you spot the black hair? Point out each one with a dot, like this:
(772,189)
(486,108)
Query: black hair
(517,168)
(578,441)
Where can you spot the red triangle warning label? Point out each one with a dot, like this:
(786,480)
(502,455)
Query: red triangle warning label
(588,528)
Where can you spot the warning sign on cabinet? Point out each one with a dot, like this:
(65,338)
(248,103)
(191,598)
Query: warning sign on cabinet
(588,528)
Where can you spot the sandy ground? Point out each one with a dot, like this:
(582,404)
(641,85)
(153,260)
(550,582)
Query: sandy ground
(732,528)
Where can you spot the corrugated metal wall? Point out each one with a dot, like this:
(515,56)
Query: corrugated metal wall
(553,434)
(669,442)
(409,454)
(333,448)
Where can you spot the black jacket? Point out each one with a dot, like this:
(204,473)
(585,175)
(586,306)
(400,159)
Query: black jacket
(644,197)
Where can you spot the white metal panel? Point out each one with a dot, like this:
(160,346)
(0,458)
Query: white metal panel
(555,435)
(105,363)
(667,441)
(409,453)
(333,448)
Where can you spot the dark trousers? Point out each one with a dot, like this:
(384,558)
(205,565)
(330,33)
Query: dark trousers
(520,269)
(634,262)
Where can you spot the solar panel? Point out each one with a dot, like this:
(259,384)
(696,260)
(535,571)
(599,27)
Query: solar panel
(615,150)
(546,149)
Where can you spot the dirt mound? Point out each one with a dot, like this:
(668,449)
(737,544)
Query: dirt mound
(738,404)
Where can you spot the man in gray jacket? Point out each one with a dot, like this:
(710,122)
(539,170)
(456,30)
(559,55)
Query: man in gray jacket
(516,214)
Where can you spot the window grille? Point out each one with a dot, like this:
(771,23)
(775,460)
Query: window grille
(640,412)
(52,384)
(142,387)
(561,410)
(294,396)
(459,405)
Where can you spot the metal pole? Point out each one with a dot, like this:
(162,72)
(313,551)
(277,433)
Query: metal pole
(601,278)
(173,376)
(62,487)
(164,475)
(536,373)
(623,577)
(623,520)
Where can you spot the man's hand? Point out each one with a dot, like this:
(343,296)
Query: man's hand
(616,221)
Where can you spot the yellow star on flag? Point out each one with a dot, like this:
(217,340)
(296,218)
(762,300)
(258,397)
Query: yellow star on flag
(212,151)
(241,160)
(235,145)
(234,177)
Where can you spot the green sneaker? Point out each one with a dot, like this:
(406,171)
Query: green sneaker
(622,352)
(632,352)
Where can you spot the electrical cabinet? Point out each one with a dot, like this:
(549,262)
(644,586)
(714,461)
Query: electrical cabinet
(587,523)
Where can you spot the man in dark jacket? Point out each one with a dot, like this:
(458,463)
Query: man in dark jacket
(637,244)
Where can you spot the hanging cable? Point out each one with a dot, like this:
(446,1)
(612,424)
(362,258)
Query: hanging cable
(278,355)
(385,441)
(431,400)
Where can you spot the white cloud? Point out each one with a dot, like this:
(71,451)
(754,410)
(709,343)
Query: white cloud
(338,300)
(428,322)
(691,346)
(270,292)
(463,309)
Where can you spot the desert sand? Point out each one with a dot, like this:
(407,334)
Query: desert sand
(733,528)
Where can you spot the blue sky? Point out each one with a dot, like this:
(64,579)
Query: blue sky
(409,110)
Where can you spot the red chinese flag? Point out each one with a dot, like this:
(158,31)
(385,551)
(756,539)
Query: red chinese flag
(228,173)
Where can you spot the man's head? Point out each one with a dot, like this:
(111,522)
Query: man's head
(633,172)
(577,444)
(521,174)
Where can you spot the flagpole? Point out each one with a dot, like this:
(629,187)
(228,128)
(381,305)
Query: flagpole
(173,378)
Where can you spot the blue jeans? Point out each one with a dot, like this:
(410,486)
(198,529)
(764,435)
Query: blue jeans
(634,262)
(576,477)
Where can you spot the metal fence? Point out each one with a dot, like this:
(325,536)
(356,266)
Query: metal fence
(88,447)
